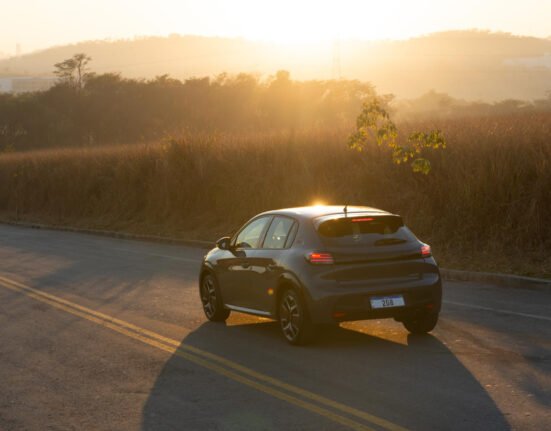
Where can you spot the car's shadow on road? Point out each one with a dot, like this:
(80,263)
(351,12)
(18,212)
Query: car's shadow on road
(415,382)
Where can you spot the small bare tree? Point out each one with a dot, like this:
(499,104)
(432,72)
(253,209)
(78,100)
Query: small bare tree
(74,71)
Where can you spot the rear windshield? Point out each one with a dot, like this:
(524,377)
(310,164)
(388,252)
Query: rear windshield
(364,230)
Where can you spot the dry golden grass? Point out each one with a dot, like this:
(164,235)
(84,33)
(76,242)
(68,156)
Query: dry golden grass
(486,205)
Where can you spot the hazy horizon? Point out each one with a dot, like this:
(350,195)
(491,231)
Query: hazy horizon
(35,27)
(471,65)
(281,44)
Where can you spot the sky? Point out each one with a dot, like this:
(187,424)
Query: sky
(38,24)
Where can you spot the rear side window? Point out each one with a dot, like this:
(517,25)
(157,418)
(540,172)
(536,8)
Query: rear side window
(364,230)
(278,233)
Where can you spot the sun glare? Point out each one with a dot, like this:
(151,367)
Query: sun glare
(318,203)
(309,22)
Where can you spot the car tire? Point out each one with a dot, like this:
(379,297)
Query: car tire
(422,324)
(211,299)
(294,321)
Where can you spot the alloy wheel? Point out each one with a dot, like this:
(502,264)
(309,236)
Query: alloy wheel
(289,315)
(208,297)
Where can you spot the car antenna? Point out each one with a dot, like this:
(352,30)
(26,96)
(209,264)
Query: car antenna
(345,209)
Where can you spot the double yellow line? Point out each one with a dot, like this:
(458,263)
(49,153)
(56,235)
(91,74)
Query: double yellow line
(307,400)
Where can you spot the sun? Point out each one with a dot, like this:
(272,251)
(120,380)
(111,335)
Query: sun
(317,21)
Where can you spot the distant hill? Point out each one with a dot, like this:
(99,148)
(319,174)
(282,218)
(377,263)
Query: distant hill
(473,65)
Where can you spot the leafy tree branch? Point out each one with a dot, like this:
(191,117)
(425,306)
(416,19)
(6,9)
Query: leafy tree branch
(374,126)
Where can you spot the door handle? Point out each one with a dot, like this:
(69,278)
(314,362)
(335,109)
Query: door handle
(246,264)
(272,267)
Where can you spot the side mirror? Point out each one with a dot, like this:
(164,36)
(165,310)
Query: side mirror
(223,243)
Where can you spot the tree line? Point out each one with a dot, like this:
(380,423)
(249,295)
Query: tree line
(85,109)
(96,109)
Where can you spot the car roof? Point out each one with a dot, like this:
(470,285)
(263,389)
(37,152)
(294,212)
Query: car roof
(315,211)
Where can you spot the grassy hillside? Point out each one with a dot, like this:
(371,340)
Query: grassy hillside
(486,204)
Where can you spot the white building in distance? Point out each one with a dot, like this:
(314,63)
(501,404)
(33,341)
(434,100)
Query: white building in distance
(25,84)
(540,61)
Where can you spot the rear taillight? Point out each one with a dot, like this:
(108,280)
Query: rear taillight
(425,251)
(320,258)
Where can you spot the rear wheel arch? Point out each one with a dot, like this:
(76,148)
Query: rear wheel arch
(292,313)
(286,282)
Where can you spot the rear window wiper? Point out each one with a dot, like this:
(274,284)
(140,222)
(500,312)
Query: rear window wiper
(390,241)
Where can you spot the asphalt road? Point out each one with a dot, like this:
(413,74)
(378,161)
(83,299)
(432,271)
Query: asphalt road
(106,334)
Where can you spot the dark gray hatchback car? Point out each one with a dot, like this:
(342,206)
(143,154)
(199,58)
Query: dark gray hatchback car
(311,266)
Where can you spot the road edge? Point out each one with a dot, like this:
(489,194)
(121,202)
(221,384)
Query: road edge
(114,234)
(498,279)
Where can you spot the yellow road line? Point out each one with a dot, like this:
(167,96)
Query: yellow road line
(204,359)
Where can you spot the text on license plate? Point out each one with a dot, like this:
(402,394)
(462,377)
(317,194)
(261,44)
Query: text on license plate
(387,301)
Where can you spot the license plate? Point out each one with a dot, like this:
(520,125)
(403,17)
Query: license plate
(387,301)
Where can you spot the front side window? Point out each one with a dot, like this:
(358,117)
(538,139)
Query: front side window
(251,235)
(278,233)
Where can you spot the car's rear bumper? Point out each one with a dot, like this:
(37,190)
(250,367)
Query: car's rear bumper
(345,303)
